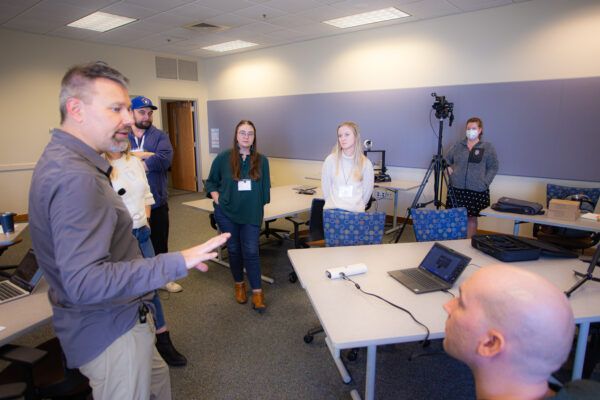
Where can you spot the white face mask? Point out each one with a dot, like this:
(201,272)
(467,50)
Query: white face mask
(472,134)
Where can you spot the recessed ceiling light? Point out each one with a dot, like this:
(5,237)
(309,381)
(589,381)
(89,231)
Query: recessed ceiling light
(101,22)
(228,46)
(370,17)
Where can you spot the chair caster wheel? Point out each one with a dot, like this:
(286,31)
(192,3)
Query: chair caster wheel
(308,338)
(293,277)
(352,355)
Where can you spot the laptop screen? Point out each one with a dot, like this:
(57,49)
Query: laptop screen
(445,263)
(27,272)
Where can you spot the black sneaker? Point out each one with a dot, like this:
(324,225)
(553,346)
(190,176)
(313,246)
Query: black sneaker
(168,352)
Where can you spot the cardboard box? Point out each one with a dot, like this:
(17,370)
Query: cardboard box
(566,205)
(563,209)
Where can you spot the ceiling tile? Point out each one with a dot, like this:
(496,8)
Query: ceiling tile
(226,5)
(56,11)
(230,20)
(260,12)
(130,10)
(8,11)
(322,13)
(95,4)
(430,9)
(292,5)
(472,5)
(32,25)
(195,11)
(120,36)
(23,4)
(159,5)
(291,21)
(167,20)
(286,34)
(361,6)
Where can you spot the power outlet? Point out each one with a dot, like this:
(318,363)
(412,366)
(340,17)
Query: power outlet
(383,195)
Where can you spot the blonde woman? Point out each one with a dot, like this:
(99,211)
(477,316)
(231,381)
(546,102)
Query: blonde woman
(347,177)
(128,179)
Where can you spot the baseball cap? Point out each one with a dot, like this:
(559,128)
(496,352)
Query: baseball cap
(141,102)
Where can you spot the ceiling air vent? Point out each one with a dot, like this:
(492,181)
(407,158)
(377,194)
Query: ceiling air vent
(205,27)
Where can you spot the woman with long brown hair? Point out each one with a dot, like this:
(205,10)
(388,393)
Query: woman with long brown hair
(240,185)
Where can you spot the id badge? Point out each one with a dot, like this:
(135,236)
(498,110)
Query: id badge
(138,150)
(244,185)
(476,155)
(345,191)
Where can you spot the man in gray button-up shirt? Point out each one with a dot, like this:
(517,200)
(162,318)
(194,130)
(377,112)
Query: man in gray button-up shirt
(81,233)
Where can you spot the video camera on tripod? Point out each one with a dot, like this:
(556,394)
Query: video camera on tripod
(443,109)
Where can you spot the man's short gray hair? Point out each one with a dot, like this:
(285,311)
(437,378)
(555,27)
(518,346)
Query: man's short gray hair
(76,80)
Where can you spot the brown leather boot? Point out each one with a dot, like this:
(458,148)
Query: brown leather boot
(240,292)
(258,301)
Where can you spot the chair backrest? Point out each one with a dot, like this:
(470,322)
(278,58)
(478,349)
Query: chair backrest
(315,226)
(431,224)
(560,192)
(345,228)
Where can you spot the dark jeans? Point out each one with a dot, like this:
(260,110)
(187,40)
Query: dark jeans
(159,224)
(143,237)
(242,248)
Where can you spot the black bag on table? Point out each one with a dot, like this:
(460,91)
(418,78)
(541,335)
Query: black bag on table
(508,204)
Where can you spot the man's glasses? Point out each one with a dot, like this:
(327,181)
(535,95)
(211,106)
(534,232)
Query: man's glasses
(246,134)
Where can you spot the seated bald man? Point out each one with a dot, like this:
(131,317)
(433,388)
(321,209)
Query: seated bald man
(513,329)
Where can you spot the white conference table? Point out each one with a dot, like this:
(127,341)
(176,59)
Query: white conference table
(351,319)
(8,239)
(580,223)
(285,202)
(396,186)
(25,314)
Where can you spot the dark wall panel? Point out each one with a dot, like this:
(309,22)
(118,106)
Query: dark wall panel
(539,128)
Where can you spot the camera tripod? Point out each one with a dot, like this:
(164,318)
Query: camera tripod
(439,168)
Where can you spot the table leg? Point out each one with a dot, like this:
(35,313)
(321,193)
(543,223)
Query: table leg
(584,330)
(337,359)
(395,216)
(370,379)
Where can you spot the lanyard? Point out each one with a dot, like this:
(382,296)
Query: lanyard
(137,141)
(344,172)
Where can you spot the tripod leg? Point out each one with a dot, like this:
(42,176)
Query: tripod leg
(415,202)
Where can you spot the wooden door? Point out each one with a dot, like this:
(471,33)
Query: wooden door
(181,133)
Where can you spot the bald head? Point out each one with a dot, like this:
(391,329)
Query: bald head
(530,314)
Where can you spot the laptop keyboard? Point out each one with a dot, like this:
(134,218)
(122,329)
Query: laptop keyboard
(8,291)
(423,280)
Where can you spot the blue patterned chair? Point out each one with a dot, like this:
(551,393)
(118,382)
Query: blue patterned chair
(431,224)
(345,228)
(569,238)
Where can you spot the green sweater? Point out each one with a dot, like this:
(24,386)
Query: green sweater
(242,207)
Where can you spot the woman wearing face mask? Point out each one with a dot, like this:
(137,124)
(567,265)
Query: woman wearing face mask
(347,177)
(240,186)
(473,164)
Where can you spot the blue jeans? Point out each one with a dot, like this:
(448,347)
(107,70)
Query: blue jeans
(143,237)
(242,248)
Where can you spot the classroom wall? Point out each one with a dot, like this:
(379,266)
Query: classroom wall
(31,68)
(535,40)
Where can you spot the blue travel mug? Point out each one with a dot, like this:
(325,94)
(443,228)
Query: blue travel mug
(8,222)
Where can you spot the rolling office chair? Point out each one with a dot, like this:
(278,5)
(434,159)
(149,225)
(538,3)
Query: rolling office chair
(315,230)
(574,239)
(344,228)
(40,373)
(431,224)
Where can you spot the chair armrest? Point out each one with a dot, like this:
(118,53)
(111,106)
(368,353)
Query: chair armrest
(21,355)
(296,221)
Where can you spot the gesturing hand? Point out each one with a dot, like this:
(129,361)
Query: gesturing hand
(195,256)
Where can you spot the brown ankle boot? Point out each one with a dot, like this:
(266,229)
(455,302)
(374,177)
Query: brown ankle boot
(258,301)
(240,292)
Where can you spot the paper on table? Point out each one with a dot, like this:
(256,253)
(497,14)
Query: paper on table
(2,328)
(592,216)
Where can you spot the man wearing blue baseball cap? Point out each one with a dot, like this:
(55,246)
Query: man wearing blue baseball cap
(153,147)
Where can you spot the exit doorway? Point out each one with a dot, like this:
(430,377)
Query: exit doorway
(180,122)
